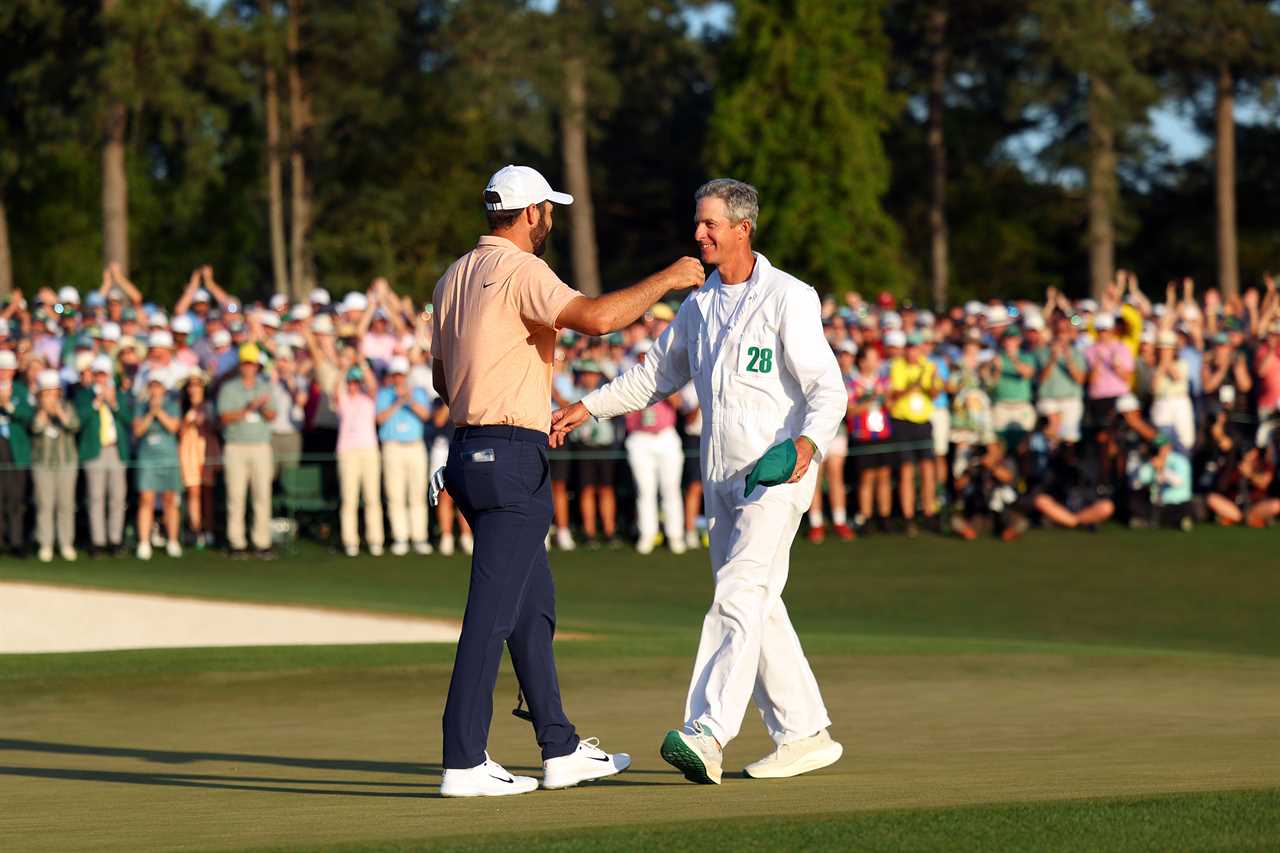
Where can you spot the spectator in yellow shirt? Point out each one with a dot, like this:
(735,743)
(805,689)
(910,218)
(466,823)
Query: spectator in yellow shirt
(913,383)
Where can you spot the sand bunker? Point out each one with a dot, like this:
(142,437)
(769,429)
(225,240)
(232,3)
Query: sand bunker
(39,618)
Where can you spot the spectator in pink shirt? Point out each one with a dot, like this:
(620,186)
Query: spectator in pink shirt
(656,456)
(359,462)
(1110,371)
(1267,364)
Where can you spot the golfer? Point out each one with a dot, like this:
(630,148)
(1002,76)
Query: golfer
(498,311)
(772,399)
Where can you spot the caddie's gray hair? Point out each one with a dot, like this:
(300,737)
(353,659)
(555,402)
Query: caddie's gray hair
(741,200)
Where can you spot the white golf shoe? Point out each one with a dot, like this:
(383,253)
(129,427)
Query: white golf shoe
(645,546)
(144,550)
(692,540)
(173,548)
(467,544)
(587,762)
(489,779)
(798,756)
(695,753)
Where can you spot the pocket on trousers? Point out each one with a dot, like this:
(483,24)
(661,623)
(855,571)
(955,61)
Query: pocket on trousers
(481,473)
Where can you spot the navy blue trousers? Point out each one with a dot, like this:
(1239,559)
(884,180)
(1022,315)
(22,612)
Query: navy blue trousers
(500,479)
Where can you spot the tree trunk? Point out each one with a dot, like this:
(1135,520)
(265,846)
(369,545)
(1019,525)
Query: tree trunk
(1102,187)
(300,123)
(573,132)
(275,186)
(6,258)
(1225,163)
(936,31)
(115,186)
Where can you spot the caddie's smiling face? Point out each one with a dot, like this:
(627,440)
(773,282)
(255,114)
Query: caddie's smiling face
(716,235)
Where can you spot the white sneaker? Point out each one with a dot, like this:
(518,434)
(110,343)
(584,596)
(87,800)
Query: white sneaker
(585,763)
(485,780)
(796,757)
(691,540)
(68,553)
(645,546)
(564,539)
(695,753)
(678,547)
(157,539)
(422,548)
(353,550)
(446,546)
(173,549)
(144,550)
(468,544)
(46,555)
(399,549)
(375,550)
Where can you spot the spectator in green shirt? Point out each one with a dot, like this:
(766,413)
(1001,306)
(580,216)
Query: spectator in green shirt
(1010,374)
(1062,372)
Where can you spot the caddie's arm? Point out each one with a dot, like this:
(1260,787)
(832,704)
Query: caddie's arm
(807,356)
(664,372)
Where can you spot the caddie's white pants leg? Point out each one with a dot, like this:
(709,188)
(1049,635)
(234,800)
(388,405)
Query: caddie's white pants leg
(657,462)
(749,648)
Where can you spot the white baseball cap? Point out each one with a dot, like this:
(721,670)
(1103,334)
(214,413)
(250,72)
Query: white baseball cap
(895,338)
(320,296)
(69,294)
(355,301)
(220,338)
(1033,323)
(160,339)
(158,320)
(182,325)
(109,331)
(8,361)
(300,312)
(847,345)
(48,380)
(102,364)
(997,315)
(269,319)
(517,187)
(201,295)
(1104,322)
(278,301)
(891,320)
(399,364)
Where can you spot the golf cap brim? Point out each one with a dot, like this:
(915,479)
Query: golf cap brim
(517,187)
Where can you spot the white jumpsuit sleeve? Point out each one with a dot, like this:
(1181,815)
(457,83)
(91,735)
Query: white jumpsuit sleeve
(664,372)
(811,363)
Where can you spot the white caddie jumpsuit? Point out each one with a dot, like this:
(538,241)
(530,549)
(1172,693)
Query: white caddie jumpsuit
(763,372)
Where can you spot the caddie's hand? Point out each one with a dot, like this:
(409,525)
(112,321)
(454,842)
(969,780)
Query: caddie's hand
(685,273)
(804,455)
(565,421)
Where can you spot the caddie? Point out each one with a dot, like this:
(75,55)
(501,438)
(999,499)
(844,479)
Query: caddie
(772,399)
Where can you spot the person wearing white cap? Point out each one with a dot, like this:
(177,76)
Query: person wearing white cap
(106,418)
(753,344)
(403,412)
(54,466)
(1171,409)
(15,454)
(181,328)
(656,458)
(68,295)
(155,426)
(319,296)
(159,361)
(497,312)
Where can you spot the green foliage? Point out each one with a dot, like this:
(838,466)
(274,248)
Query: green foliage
(799,112)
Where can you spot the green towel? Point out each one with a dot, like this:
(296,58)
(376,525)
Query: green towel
(775,467)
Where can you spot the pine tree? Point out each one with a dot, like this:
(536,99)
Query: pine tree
(799,113)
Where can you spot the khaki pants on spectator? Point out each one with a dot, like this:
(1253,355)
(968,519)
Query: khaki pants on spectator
(105,487)
(404,468)
(55,505)
(358,476)
(248,470)
(286,448)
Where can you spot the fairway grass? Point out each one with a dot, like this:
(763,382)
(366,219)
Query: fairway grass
(1122,697)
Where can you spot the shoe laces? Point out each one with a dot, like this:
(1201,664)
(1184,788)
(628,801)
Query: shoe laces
(591,744)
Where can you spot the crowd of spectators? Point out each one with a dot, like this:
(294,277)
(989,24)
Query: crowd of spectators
(183,427)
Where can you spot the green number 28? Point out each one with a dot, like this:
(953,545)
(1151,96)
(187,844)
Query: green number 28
(761,360)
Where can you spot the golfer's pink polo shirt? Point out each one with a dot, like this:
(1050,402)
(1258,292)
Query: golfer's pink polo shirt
(494,328)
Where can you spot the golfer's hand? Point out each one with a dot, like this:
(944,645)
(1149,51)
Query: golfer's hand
(804,456)
(565,421)
(685,273)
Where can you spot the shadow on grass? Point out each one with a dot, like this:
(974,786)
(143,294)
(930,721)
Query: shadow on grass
(243,783)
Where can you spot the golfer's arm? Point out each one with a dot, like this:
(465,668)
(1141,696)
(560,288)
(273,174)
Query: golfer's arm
(809,360)
(438,380)
(600,315)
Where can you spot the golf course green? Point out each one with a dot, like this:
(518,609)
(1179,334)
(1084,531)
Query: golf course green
(1117,691)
